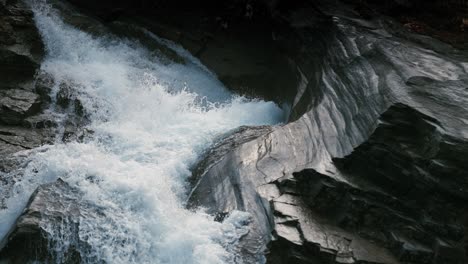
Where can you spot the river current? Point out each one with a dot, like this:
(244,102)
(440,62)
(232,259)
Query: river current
(150,121)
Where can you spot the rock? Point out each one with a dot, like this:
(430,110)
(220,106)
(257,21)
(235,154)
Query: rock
(7,148)
(21,53)
(44,85)
(14,67)
(224,145)
(29,240)
(66,99)
(308,238)
(385,228)
(23,138)
(367,101)
(16,105)
(400,158)
(64,95)
(14,145)
(40,121)
(445,252)
(21,50)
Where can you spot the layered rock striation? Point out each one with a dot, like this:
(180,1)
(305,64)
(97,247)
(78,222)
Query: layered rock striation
(361,172)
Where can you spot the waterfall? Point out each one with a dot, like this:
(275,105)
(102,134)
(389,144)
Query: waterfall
(150,120)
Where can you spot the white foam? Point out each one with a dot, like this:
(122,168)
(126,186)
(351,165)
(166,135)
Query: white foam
(151,121)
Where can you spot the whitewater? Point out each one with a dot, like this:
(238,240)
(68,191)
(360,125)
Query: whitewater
(150,121)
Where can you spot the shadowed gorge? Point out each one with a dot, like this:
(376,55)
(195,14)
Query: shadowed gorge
(233,132)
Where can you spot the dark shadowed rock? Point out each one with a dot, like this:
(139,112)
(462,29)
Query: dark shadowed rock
(21,48)
(15,67)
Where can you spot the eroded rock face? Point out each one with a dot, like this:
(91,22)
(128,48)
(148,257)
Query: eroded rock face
(25,91)
(390,200)
(385,113)
(23,123)
(21,52)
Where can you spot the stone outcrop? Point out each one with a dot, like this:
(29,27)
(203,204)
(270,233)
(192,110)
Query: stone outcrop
(397,197)
(53,210)
(22,124)
(21,53)
(367,99)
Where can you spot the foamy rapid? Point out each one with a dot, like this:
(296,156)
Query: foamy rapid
(150,121)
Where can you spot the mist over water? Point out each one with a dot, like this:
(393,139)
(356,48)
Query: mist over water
(150,121)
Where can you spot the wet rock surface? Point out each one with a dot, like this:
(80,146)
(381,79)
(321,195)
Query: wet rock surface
(391,200)
(234,39)
(52,210)
(16,104)
(21,52)
(362,175)
(19,138)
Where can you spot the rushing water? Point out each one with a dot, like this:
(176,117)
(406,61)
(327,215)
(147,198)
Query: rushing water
(150,121)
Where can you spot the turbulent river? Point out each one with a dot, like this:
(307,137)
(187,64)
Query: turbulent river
(150,121)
